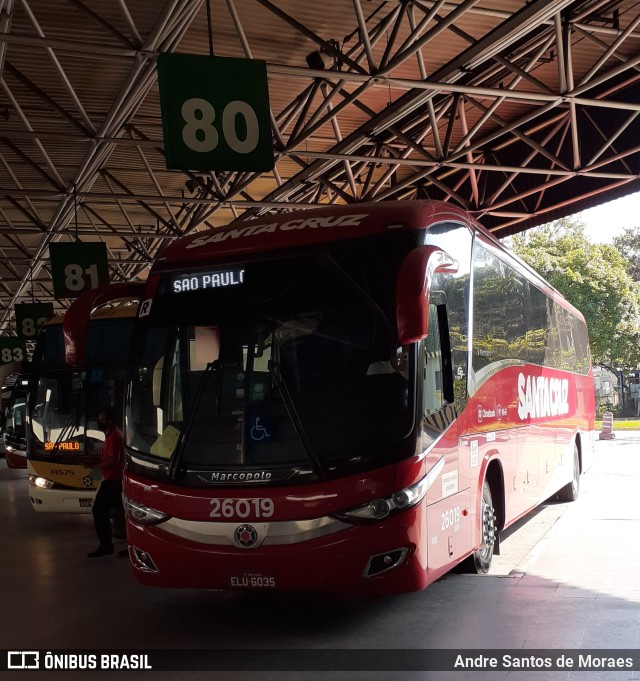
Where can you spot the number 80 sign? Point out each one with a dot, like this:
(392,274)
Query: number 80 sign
(215,113)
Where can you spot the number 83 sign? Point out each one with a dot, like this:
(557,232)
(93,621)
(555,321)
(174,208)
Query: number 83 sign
(215,113)
(11,350)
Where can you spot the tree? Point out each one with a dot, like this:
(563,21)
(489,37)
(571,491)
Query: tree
(595,279)
(629,245)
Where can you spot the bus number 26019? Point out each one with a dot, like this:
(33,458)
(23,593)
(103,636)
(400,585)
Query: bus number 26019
(450,518)
(241,508)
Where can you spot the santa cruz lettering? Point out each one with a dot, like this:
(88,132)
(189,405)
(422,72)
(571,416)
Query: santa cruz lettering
(542,396)
(298,223)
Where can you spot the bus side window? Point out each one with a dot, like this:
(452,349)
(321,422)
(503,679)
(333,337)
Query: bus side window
(437,392)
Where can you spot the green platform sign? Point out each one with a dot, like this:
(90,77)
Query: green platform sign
(11,350)
(215,113)
(78,267)
(30,317)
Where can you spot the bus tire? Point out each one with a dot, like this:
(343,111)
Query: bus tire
(571,490)
(484,555)
(479,561)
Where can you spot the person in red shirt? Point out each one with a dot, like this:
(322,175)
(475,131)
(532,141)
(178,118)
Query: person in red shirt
(109,495)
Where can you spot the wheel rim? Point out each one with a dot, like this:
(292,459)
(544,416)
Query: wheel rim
(575,482)
(488,529)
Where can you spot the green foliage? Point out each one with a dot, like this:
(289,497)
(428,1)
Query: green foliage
(595,279)
(629,246)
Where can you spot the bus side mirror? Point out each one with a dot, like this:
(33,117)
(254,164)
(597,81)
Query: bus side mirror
(76,319)
(413,287)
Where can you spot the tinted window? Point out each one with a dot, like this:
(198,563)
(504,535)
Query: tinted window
(515,322)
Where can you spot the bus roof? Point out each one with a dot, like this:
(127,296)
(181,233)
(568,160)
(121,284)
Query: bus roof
(115,312)
(324,225)
(305,227)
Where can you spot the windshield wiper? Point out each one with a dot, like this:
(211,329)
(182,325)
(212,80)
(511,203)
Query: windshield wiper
(318,467)
(71,426)
(193,410)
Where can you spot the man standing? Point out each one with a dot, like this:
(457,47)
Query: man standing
(109,495)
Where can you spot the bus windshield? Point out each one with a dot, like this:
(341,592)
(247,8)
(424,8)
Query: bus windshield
(288,362)
(16,413)
(65,401)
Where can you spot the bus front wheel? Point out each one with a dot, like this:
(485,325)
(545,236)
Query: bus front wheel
(483,556)
(479,562)
(571,490)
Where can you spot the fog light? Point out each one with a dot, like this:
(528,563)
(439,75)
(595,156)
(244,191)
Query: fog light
(382,562)
(143,560)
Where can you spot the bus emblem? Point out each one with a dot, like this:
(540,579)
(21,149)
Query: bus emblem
(246,536)
(479,413)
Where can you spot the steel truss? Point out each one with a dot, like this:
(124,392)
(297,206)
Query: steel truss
(519,116)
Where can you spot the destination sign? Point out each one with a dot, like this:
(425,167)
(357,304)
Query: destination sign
(68,446)
(202,281)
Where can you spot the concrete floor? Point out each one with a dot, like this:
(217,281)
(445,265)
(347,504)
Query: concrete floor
(568,578)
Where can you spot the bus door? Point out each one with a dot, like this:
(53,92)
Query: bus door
(449,528)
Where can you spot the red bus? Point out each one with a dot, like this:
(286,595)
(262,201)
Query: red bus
(353,399)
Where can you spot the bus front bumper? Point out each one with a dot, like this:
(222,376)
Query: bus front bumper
(60,500)
(367,559)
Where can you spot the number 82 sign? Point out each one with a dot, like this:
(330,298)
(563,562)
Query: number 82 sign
(215,113)
(30,317)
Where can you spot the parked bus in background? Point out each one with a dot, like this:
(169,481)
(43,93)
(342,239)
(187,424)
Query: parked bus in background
(9,379)
(350,399)
(15,434)
(64,402)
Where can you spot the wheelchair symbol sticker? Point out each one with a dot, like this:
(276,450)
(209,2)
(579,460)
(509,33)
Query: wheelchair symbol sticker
(260,430)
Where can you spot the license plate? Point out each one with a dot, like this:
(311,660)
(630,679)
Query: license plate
(252,580)
(86,503)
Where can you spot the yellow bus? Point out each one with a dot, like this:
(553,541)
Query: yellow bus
(63,439)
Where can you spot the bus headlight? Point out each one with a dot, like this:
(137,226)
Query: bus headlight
(141,513)
(374,510)
(42,483)
(378,509)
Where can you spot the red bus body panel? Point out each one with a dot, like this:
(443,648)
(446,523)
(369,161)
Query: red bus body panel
(15,458)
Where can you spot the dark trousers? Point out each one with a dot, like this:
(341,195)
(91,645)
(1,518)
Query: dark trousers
(108,497)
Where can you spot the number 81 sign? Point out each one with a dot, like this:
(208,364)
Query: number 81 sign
(215,113)
(77,267)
